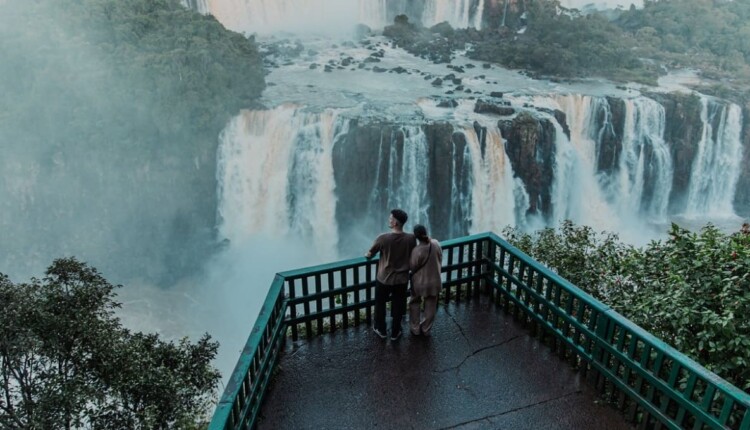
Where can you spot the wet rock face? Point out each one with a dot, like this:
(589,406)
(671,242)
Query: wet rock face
(363,160)
(508,12)
(742,195)
(530,145)
(610,145)
(682,134)
(492,108)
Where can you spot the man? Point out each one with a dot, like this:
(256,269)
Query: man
(393,272)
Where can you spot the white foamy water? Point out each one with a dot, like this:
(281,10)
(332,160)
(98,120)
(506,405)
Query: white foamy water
(716,166)
(275,177)
(333,17)
(458,13)
(408,174)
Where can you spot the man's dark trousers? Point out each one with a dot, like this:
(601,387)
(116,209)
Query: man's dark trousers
(397,294)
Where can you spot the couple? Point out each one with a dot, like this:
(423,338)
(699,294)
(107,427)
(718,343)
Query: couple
(400,256)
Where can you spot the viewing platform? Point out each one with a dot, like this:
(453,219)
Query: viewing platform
(514,346)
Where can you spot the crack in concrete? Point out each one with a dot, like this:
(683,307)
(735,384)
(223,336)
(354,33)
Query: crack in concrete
(488,417)
(461,329)
(477,352)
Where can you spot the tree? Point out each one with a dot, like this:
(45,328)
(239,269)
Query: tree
(67,362)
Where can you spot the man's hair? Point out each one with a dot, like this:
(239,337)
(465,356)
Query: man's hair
(400,216)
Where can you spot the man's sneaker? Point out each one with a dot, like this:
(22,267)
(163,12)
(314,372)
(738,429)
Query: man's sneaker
(396,335)
(379,333)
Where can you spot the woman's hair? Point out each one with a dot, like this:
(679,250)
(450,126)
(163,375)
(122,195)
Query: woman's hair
(420,232)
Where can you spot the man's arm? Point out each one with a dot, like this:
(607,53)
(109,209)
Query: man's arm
(374,249)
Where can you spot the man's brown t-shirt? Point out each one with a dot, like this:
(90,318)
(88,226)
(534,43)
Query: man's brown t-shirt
(395,249)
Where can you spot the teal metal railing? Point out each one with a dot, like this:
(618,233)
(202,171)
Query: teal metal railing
(655,385)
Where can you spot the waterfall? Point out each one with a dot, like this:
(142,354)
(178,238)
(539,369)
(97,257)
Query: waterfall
(373,13)
(267,16)
(642,143)
(716,167)
(493,188)
(408,173)
(201,6)
(458,13)
(640,182)
(275,176)
(576,191)
(461,199)
(333,16)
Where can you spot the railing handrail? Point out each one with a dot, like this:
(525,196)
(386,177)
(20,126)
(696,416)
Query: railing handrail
(599,327)
(354,262)
(682,359)
(228,397)
(605,349)
(549,274)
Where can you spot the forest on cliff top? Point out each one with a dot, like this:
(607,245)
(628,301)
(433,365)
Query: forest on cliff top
(637,44)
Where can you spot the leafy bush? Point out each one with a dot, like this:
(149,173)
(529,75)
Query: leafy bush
(66,361)
(692,290)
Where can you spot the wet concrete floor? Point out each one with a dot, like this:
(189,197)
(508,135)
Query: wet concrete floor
(479,370)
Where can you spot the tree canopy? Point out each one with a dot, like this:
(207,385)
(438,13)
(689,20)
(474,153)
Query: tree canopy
(67,362)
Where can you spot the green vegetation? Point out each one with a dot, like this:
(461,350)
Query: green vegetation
(691,290)
(713,36)
(66,361)
(566,45)
(110,112)
(623,45)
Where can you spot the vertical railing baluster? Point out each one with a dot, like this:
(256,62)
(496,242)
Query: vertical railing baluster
(489,272)
(566,325)
(509,281)
(537,305)
(306,306)
(368,291)
(519,290)
(318,302)
(449,275)
(688,393)
(726,410)
(344,299)
(477,257)
(527,284)
(356,295)
(500,279)
(293,308)
(461,275)
(332,301)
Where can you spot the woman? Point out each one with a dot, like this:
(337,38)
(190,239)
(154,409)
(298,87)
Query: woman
(425,263)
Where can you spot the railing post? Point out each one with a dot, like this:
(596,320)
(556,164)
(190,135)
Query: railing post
(487,254)
(602,328)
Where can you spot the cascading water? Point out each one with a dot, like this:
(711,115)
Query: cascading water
(275,176)
(458,13)
(461,190)
(643,161)
(493,188)
(576,191)
(333,16)
(643,137)
(716,167)
(299,16)
(408,172)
